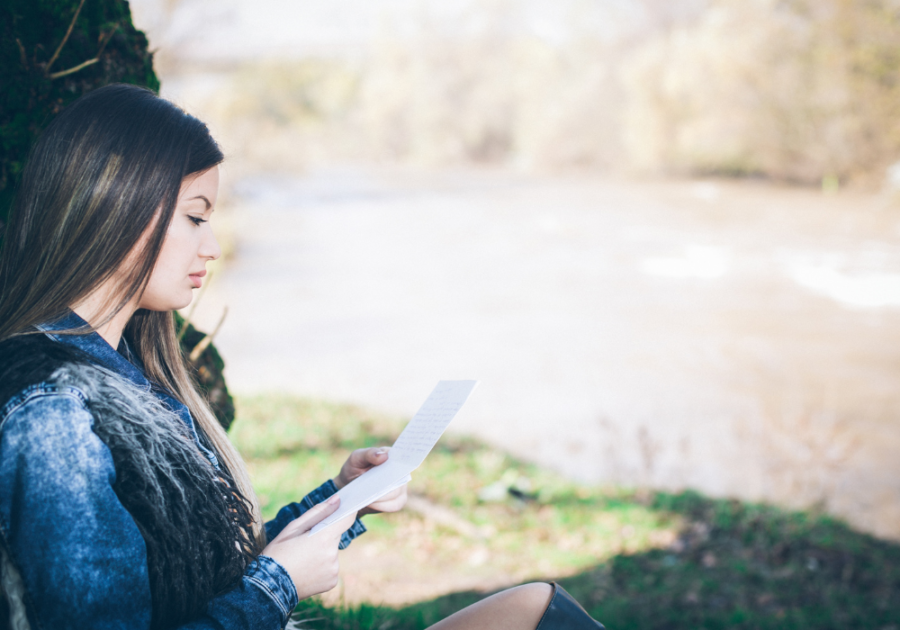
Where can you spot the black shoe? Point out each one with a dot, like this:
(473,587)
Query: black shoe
(564,613)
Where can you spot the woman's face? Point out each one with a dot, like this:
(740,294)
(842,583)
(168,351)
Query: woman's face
(188,246)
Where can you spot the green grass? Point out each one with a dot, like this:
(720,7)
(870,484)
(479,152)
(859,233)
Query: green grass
(639,560)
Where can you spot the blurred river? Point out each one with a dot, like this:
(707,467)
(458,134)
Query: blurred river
(736,338)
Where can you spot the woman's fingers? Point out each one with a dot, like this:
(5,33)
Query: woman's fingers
(311,561)
(339,527)
(311,517)
(365,458)
(360,460)
(319,513)
(333,533)
(393,501)
(378,455)
(393,494)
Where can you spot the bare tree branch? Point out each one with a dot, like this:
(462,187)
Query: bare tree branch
(104,40)
(64,40)
(63,73)
(208,339)
(22,52)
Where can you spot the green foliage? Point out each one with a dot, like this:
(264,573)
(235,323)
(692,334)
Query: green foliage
(32,90)
(739,565)
(637,560)
(734,566)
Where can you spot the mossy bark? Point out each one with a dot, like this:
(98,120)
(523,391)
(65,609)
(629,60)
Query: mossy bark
(31,90)
(208,372)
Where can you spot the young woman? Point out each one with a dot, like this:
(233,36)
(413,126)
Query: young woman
(122,502)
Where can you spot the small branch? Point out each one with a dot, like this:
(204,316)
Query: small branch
(444,516)
(204,343)
(22,53)
(64,40)
(63,73)
(104,40)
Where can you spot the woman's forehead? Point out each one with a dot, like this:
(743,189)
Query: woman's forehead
(203,186)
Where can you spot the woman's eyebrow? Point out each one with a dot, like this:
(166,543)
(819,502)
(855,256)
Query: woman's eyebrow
(208,205)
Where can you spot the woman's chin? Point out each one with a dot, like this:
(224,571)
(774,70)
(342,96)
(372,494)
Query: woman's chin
(171,304)
(182,304)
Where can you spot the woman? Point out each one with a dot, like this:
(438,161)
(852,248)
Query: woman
(122,502)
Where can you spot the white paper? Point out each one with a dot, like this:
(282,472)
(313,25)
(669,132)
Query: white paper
(407,453)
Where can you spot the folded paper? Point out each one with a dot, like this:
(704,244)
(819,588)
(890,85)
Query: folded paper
(407,453)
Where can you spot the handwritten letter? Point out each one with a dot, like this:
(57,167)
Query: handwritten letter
(407,453)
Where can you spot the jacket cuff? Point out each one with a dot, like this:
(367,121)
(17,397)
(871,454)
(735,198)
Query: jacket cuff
(294,510)
(355,530)
(274,580)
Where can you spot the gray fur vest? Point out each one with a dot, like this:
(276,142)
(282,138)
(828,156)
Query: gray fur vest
(196,525)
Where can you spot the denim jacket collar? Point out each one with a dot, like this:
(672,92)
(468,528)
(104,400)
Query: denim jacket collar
(97,348)
(124,363)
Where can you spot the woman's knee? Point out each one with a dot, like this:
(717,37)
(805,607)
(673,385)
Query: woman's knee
(517,608)
(533,597)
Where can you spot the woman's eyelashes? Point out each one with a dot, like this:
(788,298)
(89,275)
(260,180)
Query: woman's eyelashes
(196,220)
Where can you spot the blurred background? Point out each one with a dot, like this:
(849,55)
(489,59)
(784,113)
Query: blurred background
(663,234)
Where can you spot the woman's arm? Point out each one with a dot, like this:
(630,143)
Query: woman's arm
(81,557)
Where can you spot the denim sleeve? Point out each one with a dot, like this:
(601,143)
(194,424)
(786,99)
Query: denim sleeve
(82,558)
(289,512)
(264,599)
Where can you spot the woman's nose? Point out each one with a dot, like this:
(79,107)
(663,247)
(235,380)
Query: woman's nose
(210,247)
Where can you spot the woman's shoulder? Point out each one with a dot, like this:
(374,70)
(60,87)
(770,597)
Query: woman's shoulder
(46,425)
(27,365)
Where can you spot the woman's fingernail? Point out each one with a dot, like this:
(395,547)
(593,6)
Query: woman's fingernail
(332,499)
(381,451)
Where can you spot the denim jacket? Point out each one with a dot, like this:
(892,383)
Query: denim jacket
(80,556)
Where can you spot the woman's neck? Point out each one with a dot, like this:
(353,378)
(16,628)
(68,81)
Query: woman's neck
(94,310)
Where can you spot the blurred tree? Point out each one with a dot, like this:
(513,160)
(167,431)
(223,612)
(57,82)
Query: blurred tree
(798,90)
(859,42)
(52,52)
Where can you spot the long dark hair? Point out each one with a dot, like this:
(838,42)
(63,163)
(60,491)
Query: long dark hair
(103,171)
(101,183)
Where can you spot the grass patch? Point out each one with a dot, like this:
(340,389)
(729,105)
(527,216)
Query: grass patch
(635,559)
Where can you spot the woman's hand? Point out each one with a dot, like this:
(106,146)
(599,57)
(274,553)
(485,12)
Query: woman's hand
(312,563)
(359,462)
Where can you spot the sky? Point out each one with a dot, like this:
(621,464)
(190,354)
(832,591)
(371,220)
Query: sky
(231,30)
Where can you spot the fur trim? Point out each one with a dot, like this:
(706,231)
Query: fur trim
(194,521)
(12,586)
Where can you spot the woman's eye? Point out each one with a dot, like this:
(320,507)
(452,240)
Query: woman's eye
(196,220)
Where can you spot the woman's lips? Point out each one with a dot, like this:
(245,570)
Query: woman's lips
(197,278)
